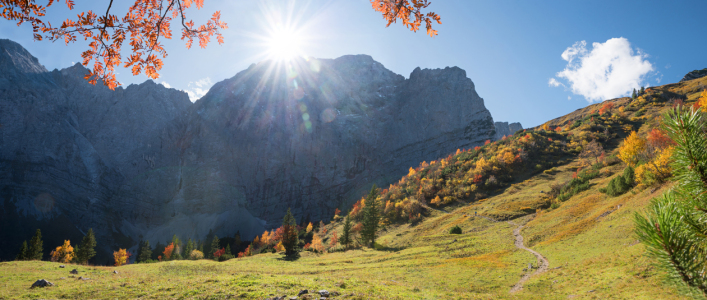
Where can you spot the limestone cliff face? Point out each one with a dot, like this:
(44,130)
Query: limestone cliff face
(504,129)
(143,162)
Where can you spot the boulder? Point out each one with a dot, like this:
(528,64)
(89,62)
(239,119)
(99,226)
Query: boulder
(74,271)
(324,293)
(41,283)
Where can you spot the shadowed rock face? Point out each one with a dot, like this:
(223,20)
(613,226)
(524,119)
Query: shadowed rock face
(505,129)
(143,161)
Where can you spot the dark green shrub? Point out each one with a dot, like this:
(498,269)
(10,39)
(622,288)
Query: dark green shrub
(620,184)
(455,230)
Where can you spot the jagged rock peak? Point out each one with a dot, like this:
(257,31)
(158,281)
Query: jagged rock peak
(14,56)
(694,75)
(503,128)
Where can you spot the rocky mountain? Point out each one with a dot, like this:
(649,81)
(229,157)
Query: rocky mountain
(504,129)
(144,162)
(694,75)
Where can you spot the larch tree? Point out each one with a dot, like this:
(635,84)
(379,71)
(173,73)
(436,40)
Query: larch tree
(593,150)
(631,148)
(121,257)
(148,22)
(290,236)
(64,253)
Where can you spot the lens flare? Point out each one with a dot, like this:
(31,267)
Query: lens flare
(284,44)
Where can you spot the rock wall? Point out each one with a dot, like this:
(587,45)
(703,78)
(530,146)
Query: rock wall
(694,75)
(144,162)
(504,129)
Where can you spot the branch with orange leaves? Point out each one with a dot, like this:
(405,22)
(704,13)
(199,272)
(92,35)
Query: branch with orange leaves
(409,12)
(145,23)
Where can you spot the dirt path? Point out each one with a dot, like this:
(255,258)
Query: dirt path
(542,264)
(542,261)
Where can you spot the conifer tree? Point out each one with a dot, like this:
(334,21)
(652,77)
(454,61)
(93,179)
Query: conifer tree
(86,250)
(159,248)
(290,236)
(177,254)
(634,95)
(36,249)
(188,248)
(346,234)
(22,255)
(214,246)
(145,252)
(237,240)
(228,250)
(674,226)
(371,217)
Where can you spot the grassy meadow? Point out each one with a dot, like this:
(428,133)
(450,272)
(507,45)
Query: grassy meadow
(588,239)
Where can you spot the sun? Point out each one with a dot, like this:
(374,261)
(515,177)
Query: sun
(284,44)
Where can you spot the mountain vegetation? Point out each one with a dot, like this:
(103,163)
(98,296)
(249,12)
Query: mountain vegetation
(572,188)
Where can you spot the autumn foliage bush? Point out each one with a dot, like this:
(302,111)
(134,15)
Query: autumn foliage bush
(470,174)
(63,253)
(121,257)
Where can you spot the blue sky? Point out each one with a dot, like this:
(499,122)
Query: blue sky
(510,49)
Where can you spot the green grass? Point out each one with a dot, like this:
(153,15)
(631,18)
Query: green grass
(423,261)
(590,244)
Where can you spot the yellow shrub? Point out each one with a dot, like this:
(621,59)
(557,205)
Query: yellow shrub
(64,253)
(196,254)
(631,147)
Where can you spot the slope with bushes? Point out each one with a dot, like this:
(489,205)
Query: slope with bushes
(553,187)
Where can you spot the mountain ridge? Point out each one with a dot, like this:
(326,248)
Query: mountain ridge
(146,163)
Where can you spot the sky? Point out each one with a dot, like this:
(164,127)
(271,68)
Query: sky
(531,61)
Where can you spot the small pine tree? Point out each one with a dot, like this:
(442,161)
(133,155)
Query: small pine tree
(346,234)
(228,250)
(36,249)
(371,217)
(643,90)
(214,246)
(22,255)
(290,236)
(634,95)
(145,252)
(87,249)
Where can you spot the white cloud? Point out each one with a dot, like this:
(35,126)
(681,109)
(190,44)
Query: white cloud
(569,98)
(554,83)
(199,88)
(166,84)
(668,66)
(611,69)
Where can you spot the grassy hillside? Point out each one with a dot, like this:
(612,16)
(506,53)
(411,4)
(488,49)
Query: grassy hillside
(587,237)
